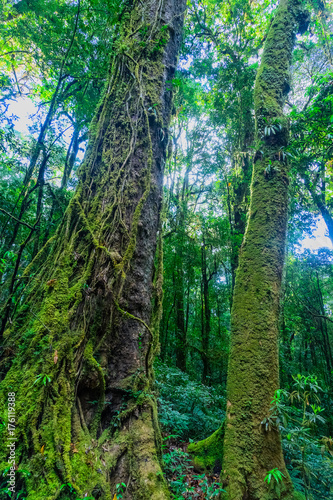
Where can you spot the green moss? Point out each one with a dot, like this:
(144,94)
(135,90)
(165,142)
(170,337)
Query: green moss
(253,376)
(295,495)
(60,332)
(208,453)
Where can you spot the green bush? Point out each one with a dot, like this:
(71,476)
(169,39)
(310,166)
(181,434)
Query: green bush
(187,408)
(308,453)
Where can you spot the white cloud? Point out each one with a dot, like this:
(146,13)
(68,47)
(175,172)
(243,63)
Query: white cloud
(319,238)
(22,108)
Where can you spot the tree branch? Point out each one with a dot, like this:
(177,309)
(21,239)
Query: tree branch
(17,220)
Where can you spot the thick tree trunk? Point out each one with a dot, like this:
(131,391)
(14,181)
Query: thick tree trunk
(79,356)
(241,190)
(249,450)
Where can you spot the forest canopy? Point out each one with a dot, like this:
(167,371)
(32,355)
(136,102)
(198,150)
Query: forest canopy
(166,249)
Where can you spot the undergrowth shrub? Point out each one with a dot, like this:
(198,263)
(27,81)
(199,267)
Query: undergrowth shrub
(302,422)
(183,483)
(187,408)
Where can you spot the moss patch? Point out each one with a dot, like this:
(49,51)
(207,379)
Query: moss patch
(207,454)
(89,324)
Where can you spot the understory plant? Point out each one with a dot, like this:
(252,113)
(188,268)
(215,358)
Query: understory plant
(308,454)
(187,408)
(182,480)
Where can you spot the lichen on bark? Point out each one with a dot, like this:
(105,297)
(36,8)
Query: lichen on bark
(79,353)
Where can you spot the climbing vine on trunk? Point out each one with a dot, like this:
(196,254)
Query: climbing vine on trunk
(79,353)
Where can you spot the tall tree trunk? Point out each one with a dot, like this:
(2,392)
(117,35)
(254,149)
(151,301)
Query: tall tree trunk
(71,156)
(39,207)
(206,313)
(249,450)
(181,340)
(241,181)
(326,339)
(40,146)
(181,347)
(79,355)
(26,191)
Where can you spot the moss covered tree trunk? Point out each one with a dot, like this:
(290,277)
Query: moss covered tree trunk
(250,451)
(242,165)
(79,354)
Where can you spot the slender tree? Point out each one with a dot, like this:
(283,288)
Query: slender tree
(79,353)
(250,450)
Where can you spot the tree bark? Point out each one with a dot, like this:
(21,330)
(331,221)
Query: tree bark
(206,314)
(180,333)
(241,181)
(79,355)
(253,377)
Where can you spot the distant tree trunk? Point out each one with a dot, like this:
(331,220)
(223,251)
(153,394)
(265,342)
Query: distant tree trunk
(206,313)
(71,155)
(23,7)
(286,376)
(164,330)
(181,347)
(79,353)
(35,154)
(326,339)
(180,314)
(57,203)
(253,377)
(39,207)
(181,341)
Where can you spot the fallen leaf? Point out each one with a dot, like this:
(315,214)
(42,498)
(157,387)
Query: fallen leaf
(55,359)
(73,448)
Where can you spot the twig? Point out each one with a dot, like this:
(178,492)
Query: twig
(17,220)
(14,52)
(316,315)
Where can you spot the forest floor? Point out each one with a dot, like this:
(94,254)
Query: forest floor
(184,481)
